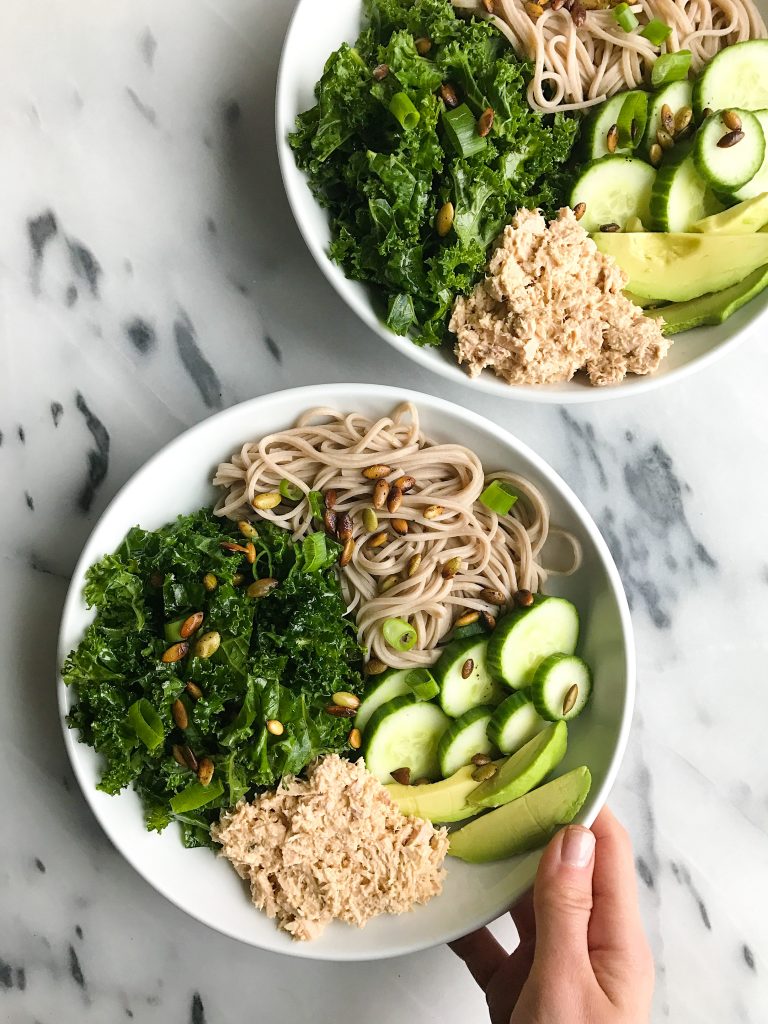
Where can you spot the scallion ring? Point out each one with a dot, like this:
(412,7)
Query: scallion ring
(498,497)
(146,723)
(399,634)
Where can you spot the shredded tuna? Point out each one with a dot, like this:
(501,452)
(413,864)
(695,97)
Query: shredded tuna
(552,304)
(333,846)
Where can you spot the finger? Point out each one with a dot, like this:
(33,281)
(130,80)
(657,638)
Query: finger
(482,954)
(506,986)
(615,926)
(524,918)
(563,900)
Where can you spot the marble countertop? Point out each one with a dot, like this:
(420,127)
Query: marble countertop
(150,274)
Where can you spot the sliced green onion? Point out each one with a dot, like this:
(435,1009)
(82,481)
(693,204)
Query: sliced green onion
(399,634)
(290,491)
(401,107)
(423,683)
(315,551)
(196,795)
(632,118)
(317,503)
(671,67)
(146,723)
(498,497)
(625,17)
(172,630)
(461,128)
(656,32)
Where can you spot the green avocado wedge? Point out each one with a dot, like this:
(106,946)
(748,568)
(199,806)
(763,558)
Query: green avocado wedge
(525,824)
(525,769)
(715,308)
(745,218)
(443,802)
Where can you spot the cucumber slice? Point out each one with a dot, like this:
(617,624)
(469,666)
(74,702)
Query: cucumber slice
(736,76)
(388,685)
(525,637)
(676,95)
(552,685)
(514,723)
(680,196)
(614,189)
(458,694)
(404,733)
(759,183)
(594,132)
(729,169)
(463,739)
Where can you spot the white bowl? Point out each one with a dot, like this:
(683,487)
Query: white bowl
(309,42)
(176,481)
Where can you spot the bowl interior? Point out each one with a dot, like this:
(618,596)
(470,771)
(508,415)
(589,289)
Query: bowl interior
(177,481)
(309,42)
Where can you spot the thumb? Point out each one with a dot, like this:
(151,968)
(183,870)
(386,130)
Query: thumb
(563,899)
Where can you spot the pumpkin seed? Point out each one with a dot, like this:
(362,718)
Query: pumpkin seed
(238,579)
(534,11)
(413,564)
(370,520)
(492,595)
(489,620)
(394,499)
(380,72)
(451,567)
(260,588)
(611,228)
(405,483)
(664,139)
(731,120)
(524,598)
(570,698)
(683,118)
(275,727)
(402,775)
(344,526)
(481,759)
(355,739)
(337,712)
(667,118)
(484,772)
(400,526)
(579,14)
(210,582)
(344,699)
(194,690)
(178,756)
(347,552)
(731,139)
(264,502)
(247,529)
(207,645)
(433,511)
(330,522)
(376,472)
(250,553)
(467,668)
(191,625)
(331,498)
(374,667)
(448,96)
(387,583)
(466,619)
(205,771)
(377,540)
(232,548)
(656,154)
(184,756)
(175,653)
(444,219)
(612,138)
(423,45)
(485,122)
(179,714)
(580,208)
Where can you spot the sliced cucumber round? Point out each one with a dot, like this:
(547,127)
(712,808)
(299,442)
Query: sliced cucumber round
(726,169)
(384,688)
(514,722)
(759,183)
(736,76)
(676,95)
(680,195)
(525,637)
(561,687)
(464,678)
(404,733)
(463,739)
(614,189)
(597,124)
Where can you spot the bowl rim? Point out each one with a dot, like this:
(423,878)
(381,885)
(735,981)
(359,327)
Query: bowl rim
(329,394)
(566,394)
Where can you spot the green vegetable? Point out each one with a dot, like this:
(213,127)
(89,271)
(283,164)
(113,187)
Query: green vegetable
(671,67)
(290,491)
(399,634)
(422,683)
(279,658)
(316,503)
(625,17)
(461,129)
(400,106)
(498,497)
(383,183)
(632,118)
(656,32)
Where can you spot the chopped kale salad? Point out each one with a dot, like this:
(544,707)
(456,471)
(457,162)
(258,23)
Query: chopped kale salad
(416,194)
(193,688)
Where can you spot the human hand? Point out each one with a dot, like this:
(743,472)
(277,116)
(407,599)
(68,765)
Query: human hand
(583,956)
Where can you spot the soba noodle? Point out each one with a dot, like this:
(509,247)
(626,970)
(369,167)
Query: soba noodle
(328,450)
(576,68)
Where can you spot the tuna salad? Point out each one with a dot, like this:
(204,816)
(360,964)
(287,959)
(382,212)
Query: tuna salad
(550,305)
(333,846)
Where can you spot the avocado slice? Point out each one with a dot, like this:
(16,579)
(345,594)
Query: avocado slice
(743,219)
(525,769)
(444,801)
(714,308)
(525,824)
(679,266)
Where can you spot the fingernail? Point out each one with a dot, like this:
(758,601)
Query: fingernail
(578,846)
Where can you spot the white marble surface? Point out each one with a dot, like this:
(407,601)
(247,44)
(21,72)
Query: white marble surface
(147,255)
